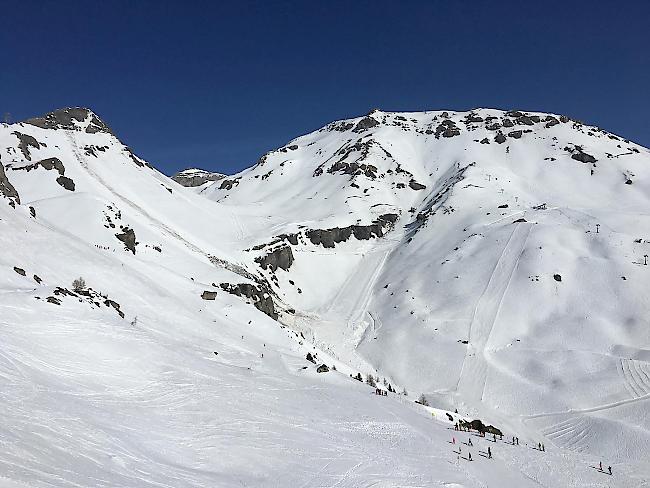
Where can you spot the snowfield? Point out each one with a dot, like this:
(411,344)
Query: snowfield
(495,262)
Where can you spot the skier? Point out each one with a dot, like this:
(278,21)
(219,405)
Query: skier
(489,453)
(517,440)
(453,440)
(456,426)
(513,440)
(469,443)
(495,437)
(600,466)
(609,468)
(470,456)
(543,448)
(539,446)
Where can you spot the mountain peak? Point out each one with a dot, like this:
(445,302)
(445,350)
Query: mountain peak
(71,118)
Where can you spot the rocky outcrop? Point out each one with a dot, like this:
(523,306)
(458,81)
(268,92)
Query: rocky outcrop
(66,183)
(330,237)
(73,118)
(279,258)
(416,186)
(261,298)
(323,368)
(128,238)
(25,141)
(196,177)
(209,295)
(47,164)
(364,124)
(6,188)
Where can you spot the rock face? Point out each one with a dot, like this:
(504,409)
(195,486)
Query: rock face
(25,142)
(6,188)
(261,298)
(196,177)
(209,295)
(280,258)
(75,118)
(329,237)
(128,238)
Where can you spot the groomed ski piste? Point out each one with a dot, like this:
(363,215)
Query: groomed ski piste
(492,261)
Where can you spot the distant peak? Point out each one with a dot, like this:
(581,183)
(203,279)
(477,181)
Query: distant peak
(71,118)
(196,177)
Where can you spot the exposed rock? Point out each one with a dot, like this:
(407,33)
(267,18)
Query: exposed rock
(416,186)
(279,258)
(37,279)
(485,141)
(310,358)
(550,121)
(25,142)
(20,271)
(66,183)
(6,188)
(261,298)
(515,134)
(54,300)
(500,138)
(32,211)
(353,169)
(128,238)
(322,369)
(365,123)
(74,118)
(47,164)
(209,295)
(557,277)
(447,128)
(228,184)
(329,237)
(583,157)
(196,177)
(116,306)
(480,427)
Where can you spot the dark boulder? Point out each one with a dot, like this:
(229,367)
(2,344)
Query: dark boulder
(66,183)
(209,295)
(583,157)
(322,369)
(500,138)
(416,186)
(20,271)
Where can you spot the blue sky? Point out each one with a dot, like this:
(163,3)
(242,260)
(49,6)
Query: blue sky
(216,84)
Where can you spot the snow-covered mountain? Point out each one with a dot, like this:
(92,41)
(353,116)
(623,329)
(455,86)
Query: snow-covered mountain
(494,261)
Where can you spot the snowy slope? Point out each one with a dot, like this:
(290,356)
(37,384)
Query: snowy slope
(379,244)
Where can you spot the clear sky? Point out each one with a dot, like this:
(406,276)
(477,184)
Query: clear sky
(217,84)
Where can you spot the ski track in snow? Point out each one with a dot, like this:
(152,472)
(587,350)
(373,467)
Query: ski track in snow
(473,376)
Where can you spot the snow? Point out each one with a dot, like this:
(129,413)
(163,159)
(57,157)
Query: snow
(93,399)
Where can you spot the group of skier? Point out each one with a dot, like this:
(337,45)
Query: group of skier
(515,442)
